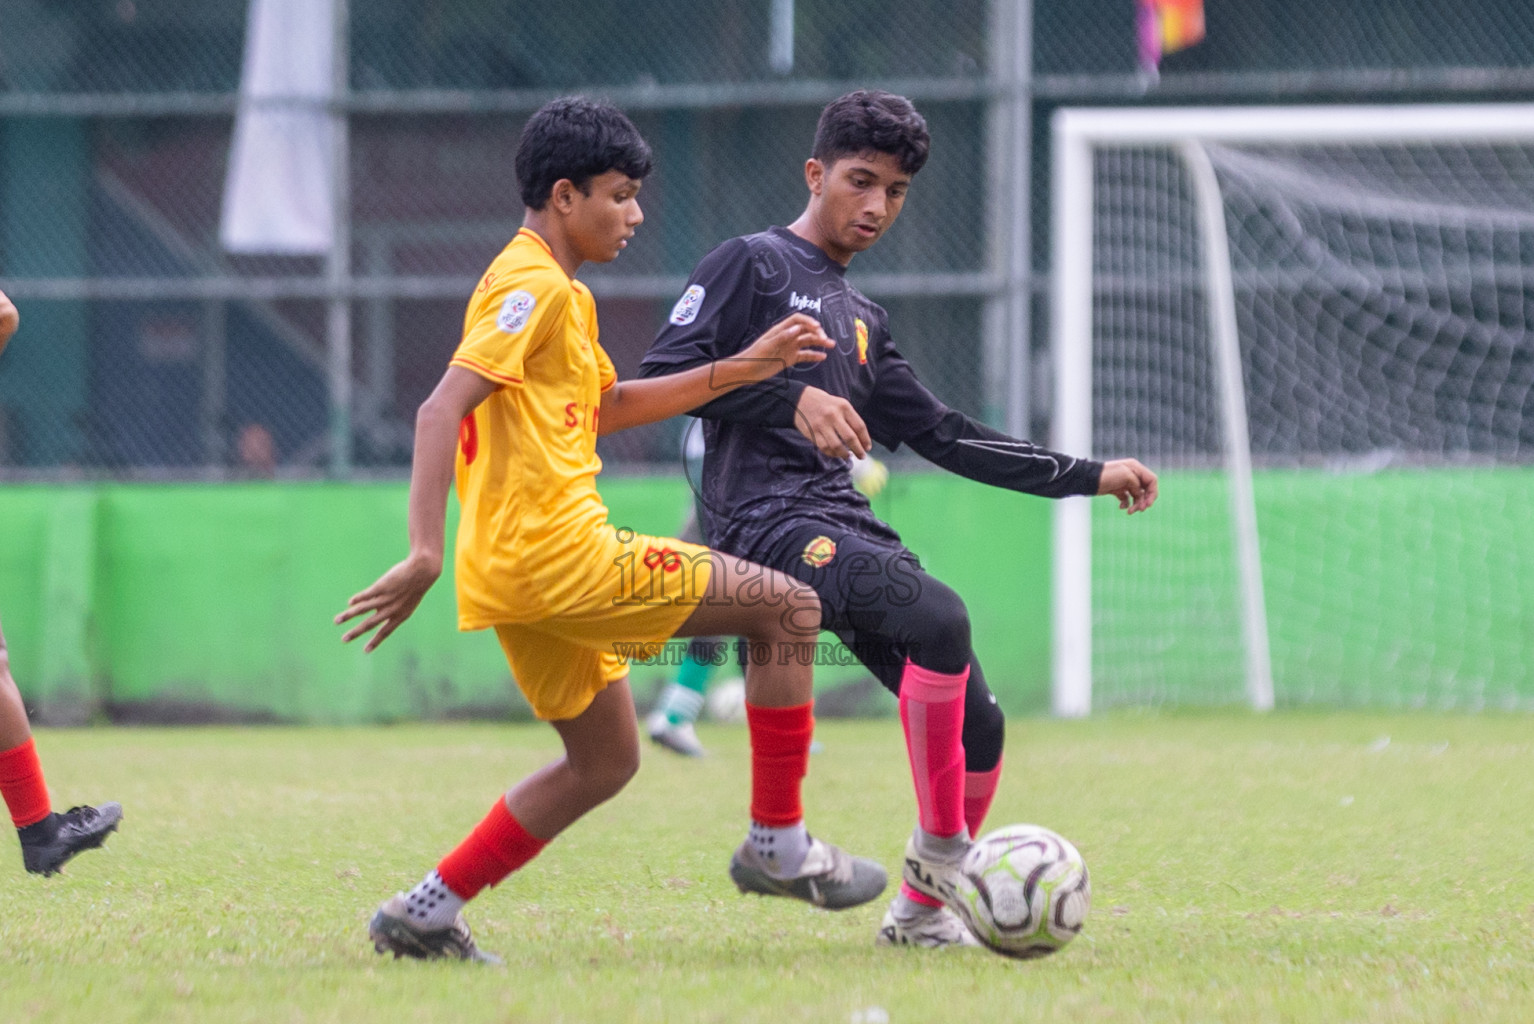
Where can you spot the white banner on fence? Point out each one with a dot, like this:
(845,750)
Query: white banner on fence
(277,196)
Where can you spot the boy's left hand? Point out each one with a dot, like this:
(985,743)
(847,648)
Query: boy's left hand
(1130,482)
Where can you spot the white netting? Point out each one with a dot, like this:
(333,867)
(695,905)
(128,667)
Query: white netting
(1385,309)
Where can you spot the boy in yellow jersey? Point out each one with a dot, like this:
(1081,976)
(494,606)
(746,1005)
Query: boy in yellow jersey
(48,838)
(517,414)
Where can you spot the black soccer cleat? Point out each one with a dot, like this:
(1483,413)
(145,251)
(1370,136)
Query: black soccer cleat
(392,931)
(829,877)
(46,846)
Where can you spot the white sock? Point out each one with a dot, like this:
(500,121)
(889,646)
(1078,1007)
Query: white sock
(906,909)
(679,704)
(432,905)
(942,848)
(929,847)
(783,849)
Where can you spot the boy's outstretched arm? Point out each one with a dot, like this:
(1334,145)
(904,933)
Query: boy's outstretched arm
(398,592)
(904,411)
(795,340)
(971,449)
(828,422)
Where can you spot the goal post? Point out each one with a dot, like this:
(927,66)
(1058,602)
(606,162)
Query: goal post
(1295,289)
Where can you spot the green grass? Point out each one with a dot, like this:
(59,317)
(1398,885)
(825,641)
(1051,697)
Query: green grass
(1289,868)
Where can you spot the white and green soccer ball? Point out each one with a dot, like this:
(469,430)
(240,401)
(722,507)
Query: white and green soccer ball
(726,701)
(869,475)
(1025,891)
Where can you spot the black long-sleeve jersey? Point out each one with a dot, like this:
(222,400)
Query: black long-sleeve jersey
(760,475)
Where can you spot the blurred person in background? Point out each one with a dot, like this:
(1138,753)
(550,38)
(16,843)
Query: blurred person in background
(671,725)
(257,451)
(48,838)
(778,487)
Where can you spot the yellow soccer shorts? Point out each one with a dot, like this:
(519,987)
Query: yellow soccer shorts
(637,599)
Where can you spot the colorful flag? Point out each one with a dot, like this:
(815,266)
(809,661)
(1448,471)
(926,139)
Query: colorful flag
(1166,26)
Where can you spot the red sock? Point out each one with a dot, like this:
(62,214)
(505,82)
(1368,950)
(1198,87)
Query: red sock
(932,713)
(22,785)
(979,790)
(780,758)
(497,847)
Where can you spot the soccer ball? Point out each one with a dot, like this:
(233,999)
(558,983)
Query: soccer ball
(1024,891)
(726,701)
(869,475)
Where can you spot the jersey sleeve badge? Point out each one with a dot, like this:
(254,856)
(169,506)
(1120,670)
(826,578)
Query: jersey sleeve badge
(686,309)
(515,311)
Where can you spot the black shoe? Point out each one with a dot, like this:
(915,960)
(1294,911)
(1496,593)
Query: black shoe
(48,844)
(829,877)
(393,932)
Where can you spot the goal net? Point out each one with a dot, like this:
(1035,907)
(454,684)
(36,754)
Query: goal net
(1318,326)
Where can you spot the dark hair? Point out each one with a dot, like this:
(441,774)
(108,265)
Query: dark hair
(576,138)
(870,120)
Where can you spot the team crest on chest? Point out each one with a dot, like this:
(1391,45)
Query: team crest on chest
(686,309)
(515,311)
(862,332)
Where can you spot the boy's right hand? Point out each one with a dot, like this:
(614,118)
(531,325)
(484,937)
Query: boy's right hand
(391,600)
(795,340)
(831,424)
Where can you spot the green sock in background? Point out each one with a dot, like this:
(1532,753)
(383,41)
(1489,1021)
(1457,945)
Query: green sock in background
(683,699)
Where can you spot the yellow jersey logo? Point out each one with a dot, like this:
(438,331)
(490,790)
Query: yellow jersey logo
(862,331)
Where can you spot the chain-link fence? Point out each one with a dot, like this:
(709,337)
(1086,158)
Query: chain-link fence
(149,349)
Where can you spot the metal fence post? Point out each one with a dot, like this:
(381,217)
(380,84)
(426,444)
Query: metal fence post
(338,320)
(1007,315)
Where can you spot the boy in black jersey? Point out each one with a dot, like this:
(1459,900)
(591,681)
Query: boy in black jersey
(777,490)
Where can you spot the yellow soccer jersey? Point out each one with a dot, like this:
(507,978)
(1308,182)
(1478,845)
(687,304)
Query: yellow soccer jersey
(527,457)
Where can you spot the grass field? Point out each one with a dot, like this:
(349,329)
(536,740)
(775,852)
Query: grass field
(1298,867)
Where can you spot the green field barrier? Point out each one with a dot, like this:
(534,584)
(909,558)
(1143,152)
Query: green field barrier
(214,602)
(209,603)
(1404,588)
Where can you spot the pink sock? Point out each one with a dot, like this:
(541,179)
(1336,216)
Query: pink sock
(979,790)
(932,714)
(918,897)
